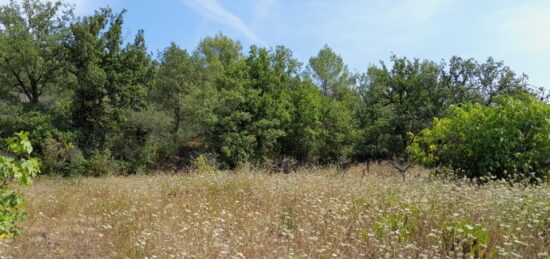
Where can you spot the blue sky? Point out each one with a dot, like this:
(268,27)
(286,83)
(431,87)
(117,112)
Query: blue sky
(363,32)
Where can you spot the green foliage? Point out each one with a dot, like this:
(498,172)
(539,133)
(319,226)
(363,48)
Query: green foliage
(408,95)
(472,239)
(329,72)
(338,127)
(133,147)
(182,92)
(92,94)
(203,165)
(303,131)
(253,107)
(40,125)
(98,163)
(507,140)
(111,79)
(339,132)
(32,51)
(59,156)
(288,218)
(403,224)
(397,100)
(218,52)
(19,168)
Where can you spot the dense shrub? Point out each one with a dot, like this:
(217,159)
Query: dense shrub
(15,118)
(204,164)
(60,156)
(508,140)
(41,124)
(99,163)
(133,148)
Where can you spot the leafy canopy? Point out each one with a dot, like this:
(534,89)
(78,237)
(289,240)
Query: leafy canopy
(32,47)
(510,139)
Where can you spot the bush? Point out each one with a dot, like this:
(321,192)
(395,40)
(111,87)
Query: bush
(99,163)
(19,168)
(41,125)
(202,164)
(507,140)
(58,156)
(14,119)
(135,145)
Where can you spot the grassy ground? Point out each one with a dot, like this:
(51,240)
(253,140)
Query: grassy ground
(307,214)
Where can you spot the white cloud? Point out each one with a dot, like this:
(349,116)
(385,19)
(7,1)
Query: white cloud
(367,26)
(417,11)
(262,9)
(211,9)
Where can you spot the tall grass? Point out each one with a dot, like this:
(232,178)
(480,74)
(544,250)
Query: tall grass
(306,214)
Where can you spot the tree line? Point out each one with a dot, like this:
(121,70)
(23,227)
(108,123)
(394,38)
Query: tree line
(96,103)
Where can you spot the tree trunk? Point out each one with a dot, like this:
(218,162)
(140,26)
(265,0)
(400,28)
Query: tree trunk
(177,119)
(33,99)
(34,92)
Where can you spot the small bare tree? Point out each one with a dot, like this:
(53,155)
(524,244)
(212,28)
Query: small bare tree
(401,164)
(366,170)
(368,163)
(344,166)
(285,165)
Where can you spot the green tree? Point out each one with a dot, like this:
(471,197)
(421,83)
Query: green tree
(228,135)
(32,47)
(111,79)
(399,99)
(303,132)
(185,89)
(19,168)
(481,82)
(329,72)
(339,131)
(461,76)
(338,127)
(176,79)
(271,74)
(218,52)
(496,79)
(508,139)
(254,106)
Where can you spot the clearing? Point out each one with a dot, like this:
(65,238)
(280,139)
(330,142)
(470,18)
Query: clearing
(305,214)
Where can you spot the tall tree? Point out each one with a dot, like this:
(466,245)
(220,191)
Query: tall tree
(329,72)
(338,131)
(495,79)
(255,106)
(481,82)
(32,49)
(302,138)
(397,100)
(174,81)
(218,52)
(183,90)
(462,78)
(111,78)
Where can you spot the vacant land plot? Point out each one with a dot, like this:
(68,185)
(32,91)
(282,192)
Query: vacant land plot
(306,214)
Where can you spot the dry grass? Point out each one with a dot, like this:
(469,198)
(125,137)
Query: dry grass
(252,215)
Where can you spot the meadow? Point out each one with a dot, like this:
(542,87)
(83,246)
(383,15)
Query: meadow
(307,214)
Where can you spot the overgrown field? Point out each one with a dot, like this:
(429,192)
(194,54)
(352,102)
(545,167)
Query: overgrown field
(306,214)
